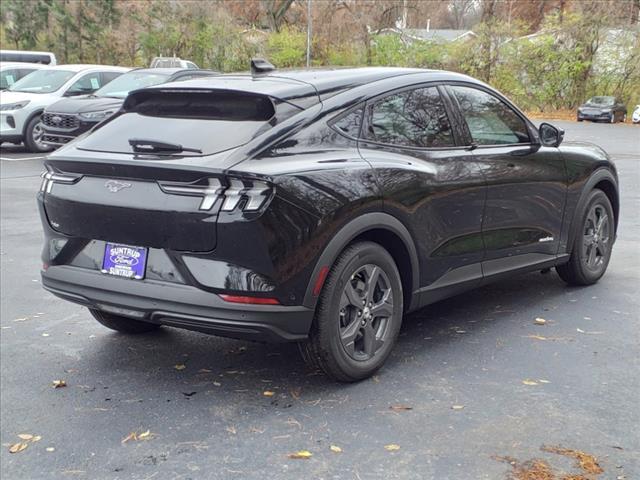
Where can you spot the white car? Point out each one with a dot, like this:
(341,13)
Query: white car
(11,72)
(635,118)
(22,104)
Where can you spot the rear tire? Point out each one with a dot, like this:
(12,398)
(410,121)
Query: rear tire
(122,324)
(33,136)
(591,250)
(358,316)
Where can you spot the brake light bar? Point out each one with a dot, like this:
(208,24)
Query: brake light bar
(209,192)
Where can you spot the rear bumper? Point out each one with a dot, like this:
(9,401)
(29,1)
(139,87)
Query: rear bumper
(178,305)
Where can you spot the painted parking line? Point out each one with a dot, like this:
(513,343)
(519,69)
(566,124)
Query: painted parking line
(8,159)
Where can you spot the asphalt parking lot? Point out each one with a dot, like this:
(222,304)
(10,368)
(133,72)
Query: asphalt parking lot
(475,389)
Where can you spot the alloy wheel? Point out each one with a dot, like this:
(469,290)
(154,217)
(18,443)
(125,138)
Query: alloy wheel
(596,238)
(366,309)
(37,133)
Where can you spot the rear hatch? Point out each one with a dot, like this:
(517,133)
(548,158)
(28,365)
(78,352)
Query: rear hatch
(152,175)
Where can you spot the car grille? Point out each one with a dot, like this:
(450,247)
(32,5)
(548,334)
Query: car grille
(58,120)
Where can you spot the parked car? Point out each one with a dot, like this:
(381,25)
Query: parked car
(608,109)
(11,72)
(172,62)
(22,104)
(316,207)
(25,56)
(635,118)
(67,118)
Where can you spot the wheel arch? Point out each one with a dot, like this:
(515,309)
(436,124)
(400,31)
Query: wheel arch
(383,229)
(33,114)
(602,179)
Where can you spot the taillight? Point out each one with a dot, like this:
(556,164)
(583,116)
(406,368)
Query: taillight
(49,178)
(249,195)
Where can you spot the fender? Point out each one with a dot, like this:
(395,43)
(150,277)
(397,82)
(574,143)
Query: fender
(595,178)
(29,118)
(356,227)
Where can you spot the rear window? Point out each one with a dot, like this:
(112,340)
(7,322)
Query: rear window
(210,122)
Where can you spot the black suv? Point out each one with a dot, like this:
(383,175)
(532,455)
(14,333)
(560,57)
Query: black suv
(316,207)
(70,117)
(608,109)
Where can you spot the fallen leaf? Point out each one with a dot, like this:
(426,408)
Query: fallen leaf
(232,430)
(45,334)
(537,337)
(144,435)
(59,383)
(216,384)
(50,449)
(543,381)
(25,436)
(131,436)
(18,447)
(204,370)
(21,319)
(400,408)
(301,455)
(335,449)
(457,407)
(530,382)
(180,366)
(268,393)
(392,447)
(580,330)
(540,321)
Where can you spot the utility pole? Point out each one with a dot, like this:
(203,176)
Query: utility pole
(308,33)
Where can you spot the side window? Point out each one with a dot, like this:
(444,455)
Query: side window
(86,84)
(490,121)
(108,76)
(350,124)
(415,118)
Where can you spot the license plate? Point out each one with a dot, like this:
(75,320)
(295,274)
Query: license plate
(124,261)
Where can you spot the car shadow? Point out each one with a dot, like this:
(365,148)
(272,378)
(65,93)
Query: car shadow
(177,365)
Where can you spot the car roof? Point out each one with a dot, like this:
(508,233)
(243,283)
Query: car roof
(168,71)
(300,86)
(23,64)
(82,67)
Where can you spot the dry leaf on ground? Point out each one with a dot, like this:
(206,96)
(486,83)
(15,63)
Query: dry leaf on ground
(301,455)
(335,449)
(25,436)
(268,393)
(529,382)
(457,407)
(392,447)
(400,408)
(59,383)
(180,366)
(18,447)
(540,321)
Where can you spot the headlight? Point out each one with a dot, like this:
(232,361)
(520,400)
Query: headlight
(14,106)
(98,115)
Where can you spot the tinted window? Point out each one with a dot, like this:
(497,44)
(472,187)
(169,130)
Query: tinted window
(42,81)
(209,122)
(416,118)
(108,76)
(11,76)
(490,120)
(350,123)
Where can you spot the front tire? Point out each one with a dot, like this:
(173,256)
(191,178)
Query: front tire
(122,324)
(358,316)
(591,249)
(33,136)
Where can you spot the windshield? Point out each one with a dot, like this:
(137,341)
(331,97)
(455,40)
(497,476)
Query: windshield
(604,101)
(8,77)
(121,86)
(42,81)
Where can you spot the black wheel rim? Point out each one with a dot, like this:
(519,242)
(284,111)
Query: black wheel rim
(596,238)
(366,311)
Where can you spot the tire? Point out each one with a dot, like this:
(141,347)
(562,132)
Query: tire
(613,118)
(580,119)
(349,342)
(122,324)
(32,135)
(596,234)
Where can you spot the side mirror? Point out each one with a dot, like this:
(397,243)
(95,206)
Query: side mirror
(550,136)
